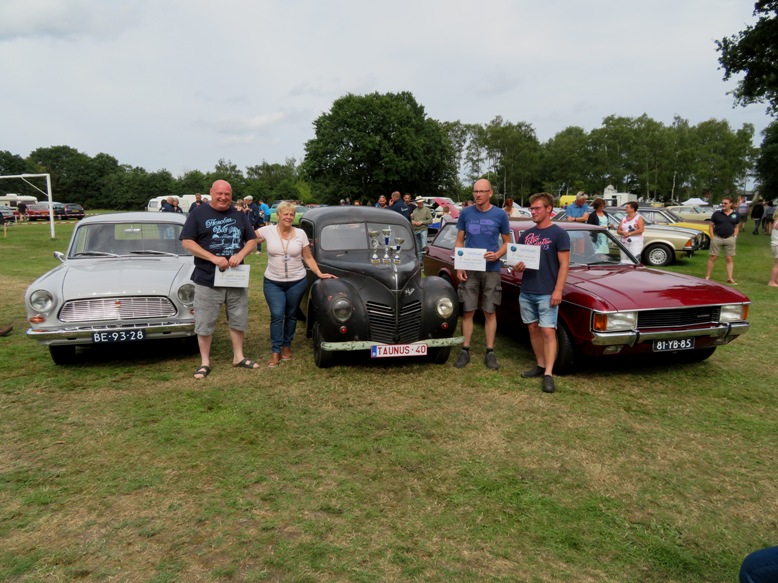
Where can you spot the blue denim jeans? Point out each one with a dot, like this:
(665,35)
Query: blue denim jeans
(282,298)
(421,242)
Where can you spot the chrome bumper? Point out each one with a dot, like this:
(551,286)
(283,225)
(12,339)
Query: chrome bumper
(83,334)
(724,334)
(367,344)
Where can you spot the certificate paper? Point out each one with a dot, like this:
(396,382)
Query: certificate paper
(232,277)
(529,254)
(471,259)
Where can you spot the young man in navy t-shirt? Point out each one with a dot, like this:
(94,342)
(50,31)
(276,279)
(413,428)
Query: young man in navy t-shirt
(541,289)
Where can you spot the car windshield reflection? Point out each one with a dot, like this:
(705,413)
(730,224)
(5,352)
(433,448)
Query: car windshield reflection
(357,236)
(127,239)
(597,247)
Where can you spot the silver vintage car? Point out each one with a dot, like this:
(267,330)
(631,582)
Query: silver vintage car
(125,278)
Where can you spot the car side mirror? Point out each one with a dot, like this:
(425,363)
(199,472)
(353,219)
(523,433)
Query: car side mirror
(59,255)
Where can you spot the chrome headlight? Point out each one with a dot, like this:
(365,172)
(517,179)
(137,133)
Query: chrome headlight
(41,300)
(615,322)
(734,312)
(342,309)
(444,307)
(186,294)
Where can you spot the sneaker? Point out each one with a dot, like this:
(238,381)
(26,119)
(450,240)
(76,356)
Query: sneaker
(548,384)
(490,360)
(534,372)
(463,359)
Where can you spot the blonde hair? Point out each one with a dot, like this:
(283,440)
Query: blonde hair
(283,206)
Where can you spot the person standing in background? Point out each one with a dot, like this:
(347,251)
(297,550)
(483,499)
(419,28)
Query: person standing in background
(723,230)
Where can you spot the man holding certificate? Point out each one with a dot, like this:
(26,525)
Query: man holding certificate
(483,234)
(219,236)
(541,288)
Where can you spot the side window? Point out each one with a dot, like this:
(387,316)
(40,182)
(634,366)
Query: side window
(307,227)
(447,237)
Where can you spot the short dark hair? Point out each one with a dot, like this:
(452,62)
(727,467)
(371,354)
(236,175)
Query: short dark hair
(548,200)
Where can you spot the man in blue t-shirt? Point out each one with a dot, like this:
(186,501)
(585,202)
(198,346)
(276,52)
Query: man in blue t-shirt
(541,289)
(487,227)
(579,211)
(219,236)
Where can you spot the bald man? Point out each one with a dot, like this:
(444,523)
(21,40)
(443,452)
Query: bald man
(486,227)
(219,236)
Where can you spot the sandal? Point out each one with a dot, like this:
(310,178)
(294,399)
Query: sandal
(286,353)
(274,358)
(731,282)
(246,363)
(203,371)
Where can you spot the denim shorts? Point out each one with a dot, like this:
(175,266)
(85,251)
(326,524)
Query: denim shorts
(537,308)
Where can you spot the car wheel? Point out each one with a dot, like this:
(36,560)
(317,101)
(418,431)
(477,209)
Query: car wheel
(565,353)
(63,354)
(322,358)
(705,243)
(658,255)
(439,355)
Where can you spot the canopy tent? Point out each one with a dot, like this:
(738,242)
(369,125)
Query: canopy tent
(695,202)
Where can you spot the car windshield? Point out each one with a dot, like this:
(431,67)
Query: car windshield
(134,239)
(357,236)
(596,247)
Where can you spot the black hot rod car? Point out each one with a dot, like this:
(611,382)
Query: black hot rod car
(380,302)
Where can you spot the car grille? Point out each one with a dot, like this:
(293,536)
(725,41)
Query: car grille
(116,309)
(383,327)
(678,317)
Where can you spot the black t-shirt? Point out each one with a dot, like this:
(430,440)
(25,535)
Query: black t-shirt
(723,224)
(221,233)
(551,241)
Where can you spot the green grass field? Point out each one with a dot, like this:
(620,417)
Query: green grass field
(124,468)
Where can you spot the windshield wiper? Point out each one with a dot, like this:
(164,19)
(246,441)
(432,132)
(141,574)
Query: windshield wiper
(153,252)
(96,254)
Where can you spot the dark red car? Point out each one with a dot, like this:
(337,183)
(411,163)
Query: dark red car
(610,308)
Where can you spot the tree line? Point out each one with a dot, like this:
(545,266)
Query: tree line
(368,145)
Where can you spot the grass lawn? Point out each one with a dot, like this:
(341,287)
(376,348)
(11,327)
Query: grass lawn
(123,467)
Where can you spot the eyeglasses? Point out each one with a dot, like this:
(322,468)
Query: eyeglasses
(481,191)
(537,209)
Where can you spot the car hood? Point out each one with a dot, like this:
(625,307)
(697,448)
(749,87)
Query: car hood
(110,277)
(635,288)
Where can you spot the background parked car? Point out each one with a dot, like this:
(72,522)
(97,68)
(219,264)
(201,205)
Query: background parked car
(610,309)
(40,211)
(662,244)
(72,210)
(692,213)
(662,216)
(125,278)
(8,213)
(380,304)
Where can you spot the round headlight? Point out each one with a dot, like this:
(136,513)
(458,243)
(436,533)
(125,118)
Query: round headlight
(41,300)
(445,308)
(342,309)
(186,294)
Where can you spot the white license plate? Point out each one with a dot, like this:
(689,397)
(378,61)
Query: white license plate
(393,350)
(673,345)
(118,336)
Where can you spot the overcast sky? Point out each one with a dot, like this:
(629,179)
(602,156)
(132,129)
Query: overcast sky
(180,84)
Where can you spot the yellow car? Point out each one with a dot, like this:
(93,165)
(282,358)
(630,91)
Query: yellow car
(663,216)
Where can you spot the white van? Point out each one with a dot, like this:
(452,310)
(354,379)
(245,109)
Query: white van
(184,201)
